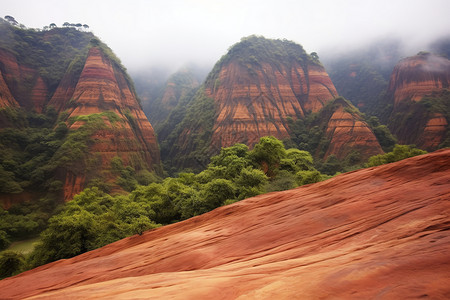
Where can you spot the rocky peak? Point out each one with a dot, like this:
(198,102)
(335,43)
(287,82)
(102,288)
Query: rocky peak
(347,131)
(418,91)
(417,76)
(103,88)
(258,84)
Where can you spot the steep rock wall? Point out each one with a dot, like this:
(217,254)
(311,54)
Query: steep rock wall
(418,76)
(347,132)
(6,98)
(102,87)
(255,101)
(414,81)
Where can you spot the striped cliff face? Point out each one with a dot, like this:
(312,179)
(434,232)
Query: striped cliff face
(6,98)
(413,120)
(103,88)
(417,76)
(255,101)
(347,131)
(257,89)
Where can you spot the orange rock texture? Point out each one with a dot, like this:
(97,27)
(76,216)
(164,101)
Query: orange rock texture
(434,131)
(418,76)
(377,233)
(252,102)
(102,87)
(6,98)
(347,132)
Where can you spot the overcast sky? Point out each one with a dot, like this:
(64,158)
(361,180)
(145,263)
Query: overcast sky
(175,32)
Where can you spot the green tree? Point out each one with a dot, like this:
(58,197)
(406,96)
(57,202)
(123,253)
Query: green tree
(383,134)
(400,152)
(297,160)
(216,192)
(284,180)
(308,176)
(267,154)
(11,263)
(4,240)
(331,166)
(251,182)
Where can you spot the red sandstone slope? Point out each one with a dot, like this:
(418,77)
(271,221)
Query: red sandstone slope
(102,87)
(378,233)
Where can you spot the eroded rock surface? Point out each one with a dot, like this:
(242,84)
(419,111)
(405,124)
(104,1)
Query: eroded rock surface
(377,233)
(418,76)
(252,102)
(102,87)
(347,131)
(418,90)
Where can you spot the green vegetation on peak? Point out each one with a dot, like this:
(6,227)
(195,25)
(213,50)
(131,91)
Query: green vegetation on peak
(253,50)
(49,52)
(108,52)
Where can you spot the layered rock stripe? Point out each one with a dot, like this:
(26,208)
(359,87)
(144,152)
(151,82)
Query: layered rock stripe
(255,102)
(412,79)
(348,132)
(417,76)
(376,233)
(102,87)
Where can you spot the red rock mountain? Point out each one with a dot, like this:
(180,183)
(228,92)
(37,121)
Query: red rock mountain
(256,90)
(102,87)
(347,131)
(377,233)
(417,76)
(254,99)
(413,120)
(93,84)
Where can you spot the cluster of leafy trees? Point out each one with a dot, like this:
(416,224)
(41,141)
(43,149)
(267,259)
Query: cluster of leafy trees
(94,218)
(34,156)
(398,153)
(11,20)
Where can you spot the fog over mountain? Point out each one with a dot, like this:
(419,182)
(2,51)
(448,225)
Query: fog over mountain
(172,33)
